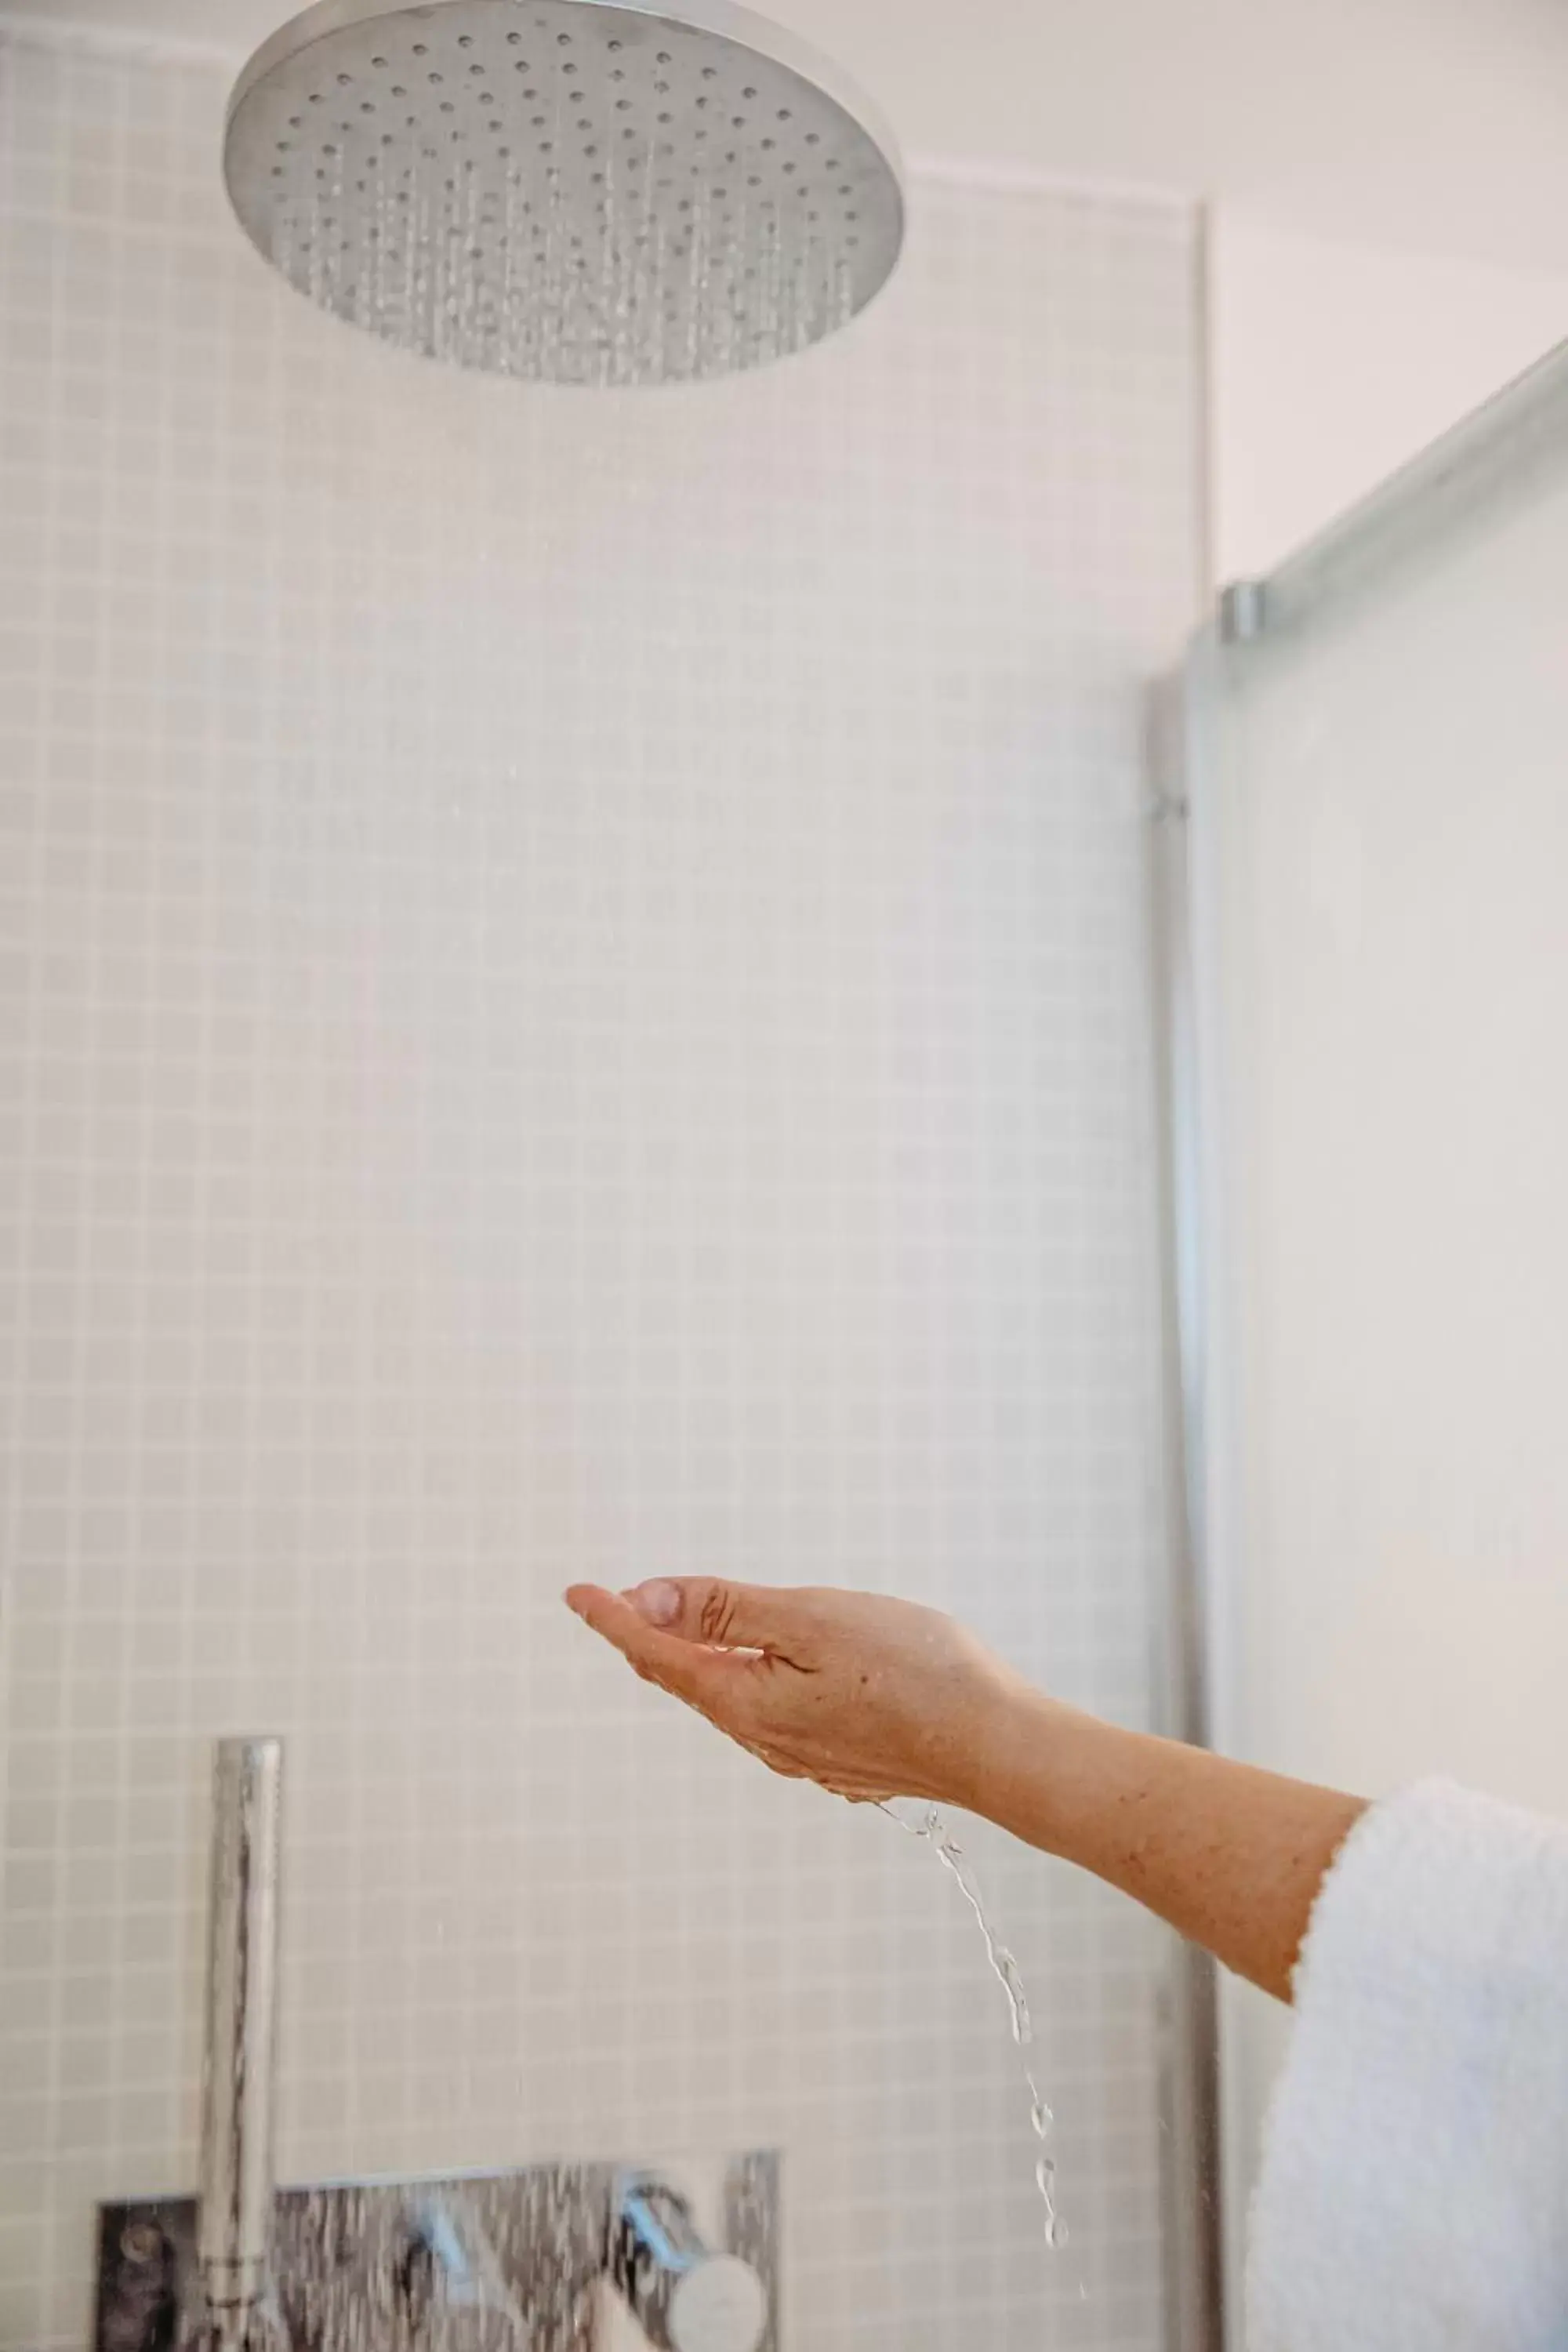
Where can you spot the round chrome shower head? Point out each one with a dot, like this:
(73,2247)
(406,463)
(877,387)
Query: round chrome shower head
(567,190)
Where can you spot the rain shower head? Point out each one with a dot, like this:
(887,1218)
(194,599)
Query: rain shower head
(566,191)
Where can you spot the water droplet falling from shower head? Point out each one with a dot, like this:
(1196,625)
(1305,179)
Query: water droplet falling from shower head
(568,190)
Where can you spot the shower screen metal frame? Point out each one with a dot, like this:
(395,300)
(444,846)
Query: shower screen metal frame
(1500,448)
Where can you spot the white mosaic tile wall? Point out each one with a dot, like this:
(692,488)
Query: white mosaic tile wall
(572,1006)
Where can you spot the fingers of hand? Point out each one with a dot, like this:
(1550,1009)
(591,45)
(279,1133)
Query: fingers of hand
(659,1657)
(725,1616)
(739,1694)
(712,1685)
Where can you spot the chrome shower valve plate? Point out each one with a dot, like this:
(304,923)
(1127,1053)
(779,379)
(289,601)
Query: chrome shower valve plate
(509,2261)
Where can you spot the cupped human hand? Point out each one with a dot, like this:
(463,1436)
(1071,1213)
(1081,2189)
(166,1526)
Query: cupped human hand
(869,1696)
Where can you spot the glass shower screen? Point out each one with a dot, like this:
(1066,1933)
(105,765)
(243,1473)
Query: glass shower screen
(1379,782)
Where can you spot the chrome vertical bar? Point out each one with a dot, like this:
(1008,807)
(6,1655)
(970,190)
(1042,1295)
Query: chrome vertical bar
(235,2193)
(1195,2316)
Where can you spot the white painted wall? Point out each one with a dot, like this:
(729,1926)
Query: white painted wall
(1333,363)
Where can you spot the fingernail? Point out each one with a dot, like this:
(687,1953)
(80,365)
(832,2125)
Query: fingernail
(659,1602)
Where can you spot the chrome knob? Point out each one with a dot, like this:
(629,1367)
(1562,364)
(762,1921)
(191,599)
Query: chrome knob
(685,2297)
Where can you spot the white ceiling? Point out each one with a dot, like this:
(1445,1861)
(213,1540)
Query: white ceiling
(1436,125)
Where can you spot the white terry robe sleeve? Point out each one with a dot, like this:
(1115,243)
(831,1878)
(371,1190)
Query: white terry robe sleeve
(1414,2193)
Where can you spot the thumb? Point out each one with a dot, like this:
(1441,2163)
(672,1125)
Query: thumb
(729,1616)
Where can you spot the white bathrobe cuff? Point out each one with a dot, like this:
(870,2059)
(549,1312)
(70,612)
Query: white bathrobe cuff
(1414,2193)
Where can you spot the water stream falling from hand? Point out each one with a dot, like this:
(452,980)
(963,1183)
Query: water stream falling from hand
(934,1830)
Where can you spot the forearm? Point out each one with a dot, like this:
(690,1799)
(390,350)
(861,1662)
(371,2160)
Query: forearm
(1231,1856)
(867,1694)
